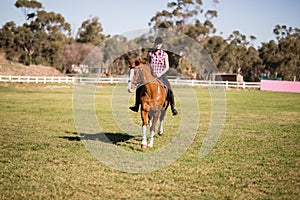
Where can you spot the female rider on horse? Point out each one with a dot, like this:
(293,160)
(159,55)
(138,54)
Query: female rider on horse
(159,62)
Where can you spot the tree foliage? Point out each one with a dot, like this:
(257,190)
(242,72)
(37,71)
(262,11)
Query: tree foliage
(234,54)
(45,38)
(74,54)
(37,41)
(282,58)
(29,8)
(184,16)
(91,32)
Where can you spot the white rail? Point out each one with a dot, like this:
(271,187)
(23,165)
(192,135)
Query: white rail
(37,79)
(111,80)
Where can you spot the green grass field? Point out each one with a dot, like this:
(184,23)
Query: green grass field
(41,157)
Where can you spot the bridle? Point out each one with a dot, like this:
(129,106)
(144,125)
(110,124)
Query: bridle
(140,80)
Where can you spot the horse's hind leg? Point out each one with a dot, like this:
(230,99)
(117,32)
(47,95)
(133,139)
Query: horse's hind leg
(161,122)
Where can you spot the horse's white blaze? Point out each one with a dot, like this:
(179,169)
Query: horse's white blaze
(131,74)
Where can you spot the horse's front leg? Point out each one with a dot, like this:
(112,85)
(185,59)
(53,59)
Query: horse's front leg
(144,116)
(152,128)
(161,122)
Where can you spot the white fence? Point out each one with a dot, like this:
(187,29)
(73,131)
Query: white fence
(36,79)
(73,80)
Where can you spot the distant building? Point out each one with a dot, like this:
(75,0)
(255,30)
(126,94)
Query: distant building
(80,69)
(228,77)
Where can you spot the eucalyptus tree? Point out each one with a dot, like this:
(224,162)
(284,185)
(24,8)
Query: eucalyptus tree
(184,16)
(90,32)
(282,57)
(39,40)
(187,17)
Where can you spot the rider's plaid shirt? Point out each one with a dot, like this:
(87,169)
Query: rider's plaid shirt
(157,61)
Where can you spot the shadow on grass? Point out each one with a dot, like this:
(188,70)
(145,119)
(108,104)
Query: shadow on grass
(112,138)
(70,138)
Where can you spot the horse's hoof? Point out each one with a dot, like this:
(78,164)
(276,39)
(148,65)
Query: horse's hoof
(144,146)
(150,145)
(160,132)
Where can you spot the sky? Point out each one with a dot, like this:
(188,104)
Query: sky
(250,17)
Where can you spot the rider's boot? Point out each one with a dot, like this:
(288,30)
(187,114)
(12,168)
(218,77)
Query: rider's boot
(135,107)
(172,103)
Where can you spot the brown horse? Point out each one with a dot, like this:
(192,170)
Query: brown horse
(153,99)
